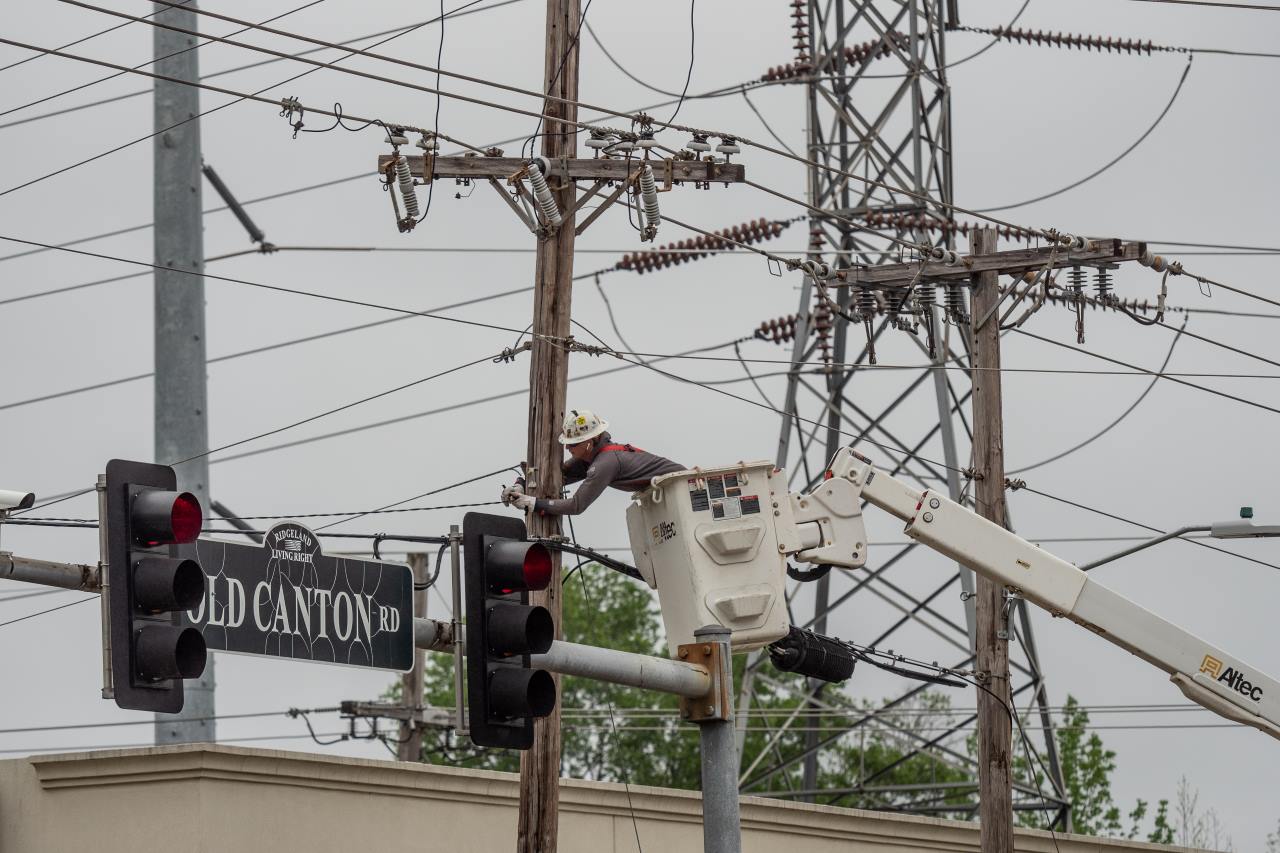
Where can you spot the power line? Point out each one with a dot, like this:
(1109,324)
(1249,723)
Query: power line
(428,413)
(185,83)
(693,32)
(258,350)
(1171,378)
(151,61)
(89,37)
(484,82)
(19,596)
(393,507)
(85,748)
(893,452)
(132,228)
(148,722)
(1219,5)
(50,610)
(342,408)
(263,286)
(462,12)
(1156,530)
(1100,433)
(1125,153)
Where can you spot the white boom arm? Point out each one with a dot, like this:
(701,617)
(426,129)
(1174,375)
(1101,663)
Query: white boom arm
(1207,675)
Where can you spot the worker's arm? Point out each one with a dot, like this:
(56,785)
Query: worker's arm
(574,470)
(602,471)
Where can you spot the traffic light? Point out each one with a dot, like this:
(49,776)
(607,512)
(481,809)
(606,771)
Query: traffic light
(504,692)
(149,586)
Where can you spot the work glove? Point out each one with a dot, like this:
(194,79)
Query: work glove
(510,493)
(523,502)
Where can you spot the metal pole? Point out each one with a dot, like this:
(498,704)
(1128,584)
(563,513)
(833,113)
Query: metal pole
(411,683)
(626,668)
(181,425)
(1164,537)
(942,349)
(79,576)
(104,602)
(721,821)
(455,574)
(679,678)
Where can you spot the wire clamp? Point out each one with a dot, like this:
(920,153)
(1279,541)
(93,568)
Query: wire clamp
(288,106)
(509,354)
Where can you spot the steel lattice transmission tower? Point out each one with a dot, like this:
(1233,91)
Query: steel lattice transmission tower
(878,106)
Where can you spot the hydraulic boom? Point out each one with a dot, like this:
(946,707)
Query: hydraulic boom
(1207,675)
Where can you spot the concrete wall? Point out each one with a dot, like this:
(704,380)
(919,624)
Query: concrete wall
(197,798)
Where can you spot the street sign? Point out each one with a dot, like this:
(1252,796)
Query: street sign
(285,598)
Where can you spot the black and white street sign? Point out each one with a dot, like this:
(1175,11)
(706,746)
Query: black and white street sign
(284,598)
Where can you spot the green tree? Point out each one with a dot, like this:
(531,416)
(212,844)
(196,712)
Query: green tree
(1087,769)
(1087,766)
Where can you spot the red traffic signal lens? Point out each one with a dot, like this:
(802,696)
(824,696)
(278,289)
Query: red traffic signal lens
(537,567)
(160,517)
(186,518)
(513,565)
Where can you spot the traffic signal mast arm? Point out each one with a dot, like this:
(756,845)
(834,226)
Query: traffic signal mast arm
(1207,675)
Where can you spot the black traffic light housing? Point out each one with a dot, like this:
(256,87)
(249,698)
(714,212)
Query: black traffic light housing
(504,692)
(149,585)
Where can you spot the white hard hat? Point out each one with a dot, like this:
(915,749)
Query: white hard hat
(581,425)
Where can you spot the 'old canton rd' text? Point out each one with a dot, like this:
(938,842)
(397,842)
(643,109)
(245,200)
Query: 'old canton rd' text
(314,614)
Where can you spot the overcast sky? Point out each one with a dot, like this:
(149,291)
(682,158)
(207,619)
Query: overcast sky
(1027,121)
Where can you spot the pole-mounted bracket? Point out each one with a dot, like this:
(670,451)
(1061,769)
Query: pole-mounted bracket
(716,704)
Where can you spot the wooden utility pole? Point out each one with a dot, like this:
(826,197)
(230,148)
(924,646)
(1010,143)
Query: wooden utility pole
(410,746)
(995,729)
(548,373)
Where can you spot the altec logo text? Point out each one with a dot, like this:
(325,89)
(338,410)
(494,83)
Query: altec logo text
(1231,677)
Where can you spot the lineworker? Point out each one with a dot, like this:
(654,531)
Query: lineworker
(596,461)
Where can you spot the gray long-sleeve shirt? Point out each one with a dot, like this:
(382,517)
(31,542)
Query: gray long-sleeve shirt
(628,470)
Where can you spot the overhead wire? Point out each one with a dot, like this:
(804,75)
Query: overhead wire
(82,40)
(392,507)
(201,114)
(294,424)
(147,18)
(1218,5)
(367,399)
(430,412)
(1169,377)
(236,69)
(261,349)
(268,287)
(49,610)
(1156,530)
(1106,429)
(1125,153)
(693,32)
(516,90)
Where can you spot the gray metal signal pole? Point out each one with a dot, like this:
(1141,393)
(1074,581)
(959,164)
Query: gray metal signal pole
(181,419)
